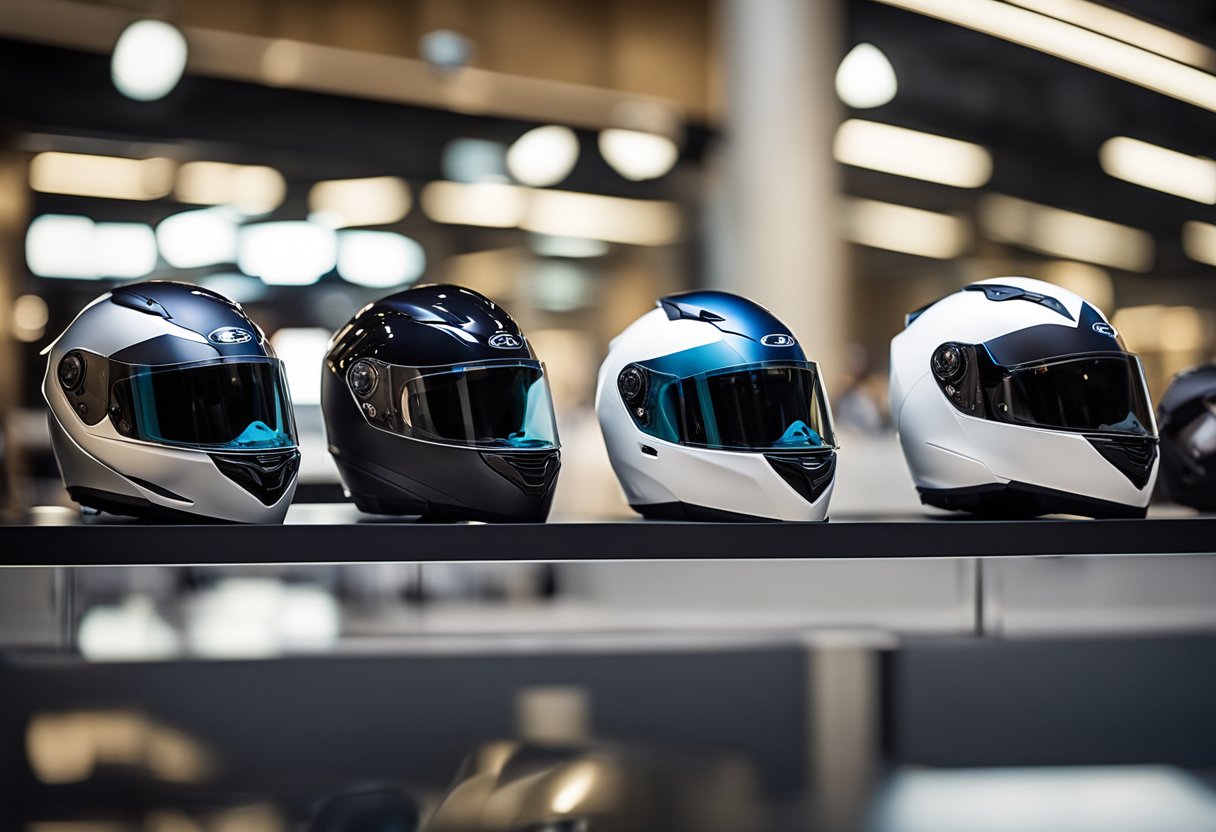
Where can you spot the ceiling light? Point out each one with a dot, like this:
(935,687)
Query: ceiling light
(543,156)
(1127,28)
(866,78)
(911,153)
(379,259)
(110,177)
(30,316)
(486,204)
(124,249)
(302,351)
(905,229)
(549,246)
(612,219)
(235,286)
(1159,168)
(1065,234)
(1199,242)
(1072,43)
(149,59)
(636,155)
(474,160)
(58,245)
(286,253)
(377,200)
(251,189)
(197,238)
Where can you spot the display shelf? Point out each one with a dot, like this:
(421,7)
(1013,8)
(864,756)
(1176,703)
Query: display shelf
(339,534)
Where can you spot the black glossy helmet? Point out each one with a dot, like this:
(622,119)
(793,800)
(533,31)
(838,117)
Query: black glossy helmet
(436,405)
(1187,421)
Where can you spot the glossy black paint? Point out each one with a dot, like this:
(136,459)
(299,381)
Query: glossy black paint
(387,473)
(1037,343)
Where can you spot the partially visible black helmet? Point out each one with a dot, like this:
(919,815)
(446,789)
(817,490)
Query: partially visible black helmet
(436,405)
(1187,422)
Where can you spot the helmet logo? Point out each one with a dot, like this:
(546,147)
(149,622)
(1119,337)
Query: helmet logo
(505,341)
(1103,328)
(230,335)
(778,339)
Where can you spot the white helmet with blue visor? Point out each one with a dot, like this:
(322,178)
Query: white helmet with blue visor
(711,409)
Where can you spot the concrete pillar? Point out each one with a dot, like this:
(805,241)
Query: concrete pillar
(779,240)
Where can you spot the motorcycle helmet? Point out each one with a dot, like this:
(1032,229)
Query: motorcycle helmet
(1187,419)
(167,401)
(711,411)
(435,405)
(1014,397)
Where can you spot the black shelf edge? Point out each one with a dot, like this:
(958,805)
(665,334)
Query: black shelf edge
(103,545)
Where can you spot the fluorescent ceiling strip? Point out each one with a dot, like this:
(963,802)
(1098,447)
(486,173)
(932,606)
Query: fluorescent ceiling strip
(1199,242)
(1127,28)
(1072,43)
(911,153)
(1067,234)
(902,228)
(1159,168)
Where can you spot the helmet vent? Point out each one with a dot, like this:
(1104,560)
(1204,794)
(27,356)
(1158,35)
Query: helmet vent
(266,475)
(534,473)
(1134,456)
(808,474)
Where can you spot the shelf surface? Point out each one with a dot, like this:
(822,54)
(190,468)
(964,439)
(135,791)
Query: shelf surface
(340,534)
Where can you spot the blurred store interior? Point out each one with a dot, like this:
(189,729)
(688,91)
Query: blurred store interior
(841,161)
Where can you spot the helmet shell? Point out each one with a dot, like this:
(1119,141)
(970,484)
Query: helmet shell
(161,325)
(1187,420)
(685,335)
(442,327)
(970,461)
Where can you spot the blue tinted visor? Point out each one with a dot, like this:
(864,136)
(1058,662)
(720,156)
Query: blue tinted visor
(231,404)
(769,405)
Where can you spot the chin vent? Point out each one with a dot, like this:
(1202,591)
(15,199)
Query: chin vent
(264,475)
(534,472)
(809,474)
(1134,456)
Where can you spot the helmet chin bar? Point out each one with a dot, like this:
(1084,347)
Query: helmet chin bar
(1014,500)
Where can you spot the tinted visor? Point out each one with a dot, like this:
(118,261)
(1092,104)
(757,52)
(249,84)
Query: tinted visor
(500,406)
(236,404)
(1103,393)
(762,406)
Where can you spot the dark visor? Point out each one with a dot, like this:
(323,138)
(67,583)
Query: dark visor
(239,404)
(491,404)
(1091,393)
(503,406)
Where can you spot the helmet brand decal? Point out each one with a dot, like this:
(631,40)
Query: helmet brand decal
(1103,328)
(778,339)
(505,341)
(230,335)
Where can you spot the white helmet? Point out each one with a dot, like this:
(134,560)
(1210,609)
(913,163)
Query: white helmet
(711,411)
(1015,397)
(166,400)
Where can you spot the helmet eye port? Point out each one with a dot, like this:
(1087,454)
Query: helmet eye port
(633,384)
(949,363)
(363,378)
(71,371)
